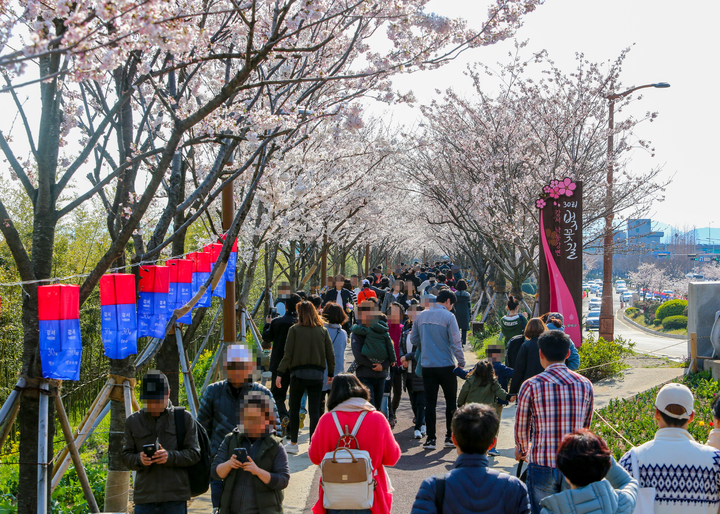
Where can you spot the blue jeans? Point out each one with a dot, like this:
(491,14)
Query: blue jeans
(216,492)
(543,481)
(161,508)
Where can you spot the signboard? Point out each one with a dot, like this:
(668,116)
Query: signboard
(560,281)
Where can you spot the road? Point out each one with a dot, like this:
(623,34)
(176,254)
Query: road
(645,342)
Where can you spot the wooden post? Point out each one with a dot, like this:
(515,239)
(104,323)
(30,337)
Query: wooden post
(79,469)
(367,259)
(323,262)
(229,319)
(693,353)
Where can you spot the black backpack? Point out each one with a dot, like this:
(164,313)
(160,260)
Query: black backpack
(198,473)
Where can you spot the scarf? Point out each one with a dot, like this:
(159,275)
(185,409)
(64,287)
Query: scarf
(354,405)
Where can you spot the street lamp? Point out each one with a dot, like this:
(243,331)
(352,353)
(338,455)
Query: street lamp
(607,318)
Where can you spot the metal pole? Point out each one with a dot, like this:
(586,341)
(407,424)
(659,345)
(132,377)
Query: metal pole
(79,469)
(10,401)
(187,381)
(207,336)
(213,366)
(243,327)
(490,304)
(42,475)
(229,316)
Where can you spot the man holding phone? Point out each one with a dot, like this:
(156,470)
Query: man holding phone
(161,485)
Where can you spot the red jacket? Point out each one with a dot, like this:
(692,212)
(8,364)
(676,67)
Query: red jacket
(364,295)
(375,437)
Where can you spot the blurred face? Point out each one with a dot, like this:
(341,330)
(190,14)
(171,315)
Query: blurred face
(157,406)
(396,315)
(397,287)
(255,422)
(339,281)
(413,314)
(284,289)
(354,281)
(239,372)
(330,282)
(410,287)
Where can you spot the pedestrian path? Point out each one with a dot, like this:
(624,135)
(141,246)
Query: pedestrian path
(417,464)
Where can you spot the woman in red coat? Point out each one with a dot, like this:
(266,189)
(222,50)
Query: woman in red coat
(349,398)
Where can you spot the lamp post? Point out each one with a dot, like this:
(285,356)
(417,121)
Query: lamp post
(607,318)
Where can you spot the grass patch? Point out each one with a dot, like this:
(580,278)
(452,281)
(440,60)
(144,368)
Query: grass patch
(639,318)
(633,417)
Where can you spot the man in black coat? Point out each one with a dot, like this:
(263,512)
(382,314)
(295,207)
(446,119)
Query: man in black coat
(275,332)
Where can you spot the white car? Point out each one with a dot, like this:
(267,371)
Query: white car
(622,289)
(594,304)
(627,295)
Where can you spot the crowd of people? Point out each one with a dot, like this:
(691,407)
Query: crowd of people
(405,333)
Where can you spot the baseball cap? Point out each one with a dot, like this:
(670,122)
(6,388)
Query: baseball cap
(238,353)
(154,386)
(366,282)
(677,395)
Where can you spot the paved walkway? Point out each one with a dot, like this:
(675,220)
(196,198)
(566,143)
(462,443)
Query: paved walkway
(416,464)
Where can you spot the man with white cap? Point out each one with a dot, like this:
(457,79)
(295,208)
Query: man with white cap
(682,474)
(222,402)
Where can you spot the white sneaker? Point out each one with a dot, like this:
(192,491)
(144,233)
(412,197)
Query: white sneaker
(292,449)
(418,435)
(423,430)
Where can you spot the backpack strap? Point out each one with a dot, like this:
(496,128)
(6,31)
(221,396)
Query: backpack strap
(439,494)
(358,423)
(180,429)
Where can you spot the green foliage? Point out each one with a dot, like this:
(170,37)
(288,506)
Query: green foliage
(68,498)
(601,359)
(631,311)
(633,418)
(657,322)
(675,322)
(671,308)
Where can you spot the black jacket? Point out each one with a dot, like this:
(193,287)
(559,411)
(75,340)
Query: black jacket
(512,349)
(331,296)
(527,364)
(364,365)
(276,333)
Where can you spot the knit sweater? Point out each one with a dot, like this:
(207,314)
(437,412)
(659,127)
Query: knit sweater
(308,348)
(685,474)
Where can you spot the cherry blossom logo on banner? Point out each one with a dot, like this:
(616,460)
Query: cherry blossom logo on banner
(555,190)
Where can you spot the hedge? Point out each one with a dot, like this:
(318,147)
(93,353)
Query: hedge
(631,311)
(675,322)
(671,308)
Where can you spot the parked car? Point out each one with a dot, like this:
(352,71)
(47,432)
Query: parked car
(592,320)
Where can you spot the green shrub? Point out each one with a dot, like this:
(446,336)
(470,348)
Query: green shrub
(631,311)
(674,322)
(657,322)
(603,359)
(671,308)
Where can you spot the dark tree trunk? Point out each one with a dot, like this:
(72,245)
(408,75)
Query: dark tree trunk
(117,484)
(167,360)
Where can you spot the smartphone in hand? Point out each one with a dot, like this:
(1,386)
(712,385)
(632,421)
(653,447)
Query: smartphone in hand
(241,454)
(149,450)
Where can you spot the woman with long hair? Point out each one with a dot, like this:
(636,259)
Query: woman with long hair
(347,401)
(527,362)
(308,352)
(335,317)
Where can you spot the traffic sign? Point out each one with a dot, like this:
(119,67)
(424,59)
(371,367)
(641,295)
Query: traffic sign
(701,259)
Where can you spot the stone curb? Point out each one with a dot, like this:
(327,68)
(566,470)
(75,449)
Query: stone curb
(649,330)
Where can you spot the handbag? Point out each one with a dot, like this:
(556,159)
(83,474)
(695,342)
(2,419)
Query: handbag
(347,475)
(646,495)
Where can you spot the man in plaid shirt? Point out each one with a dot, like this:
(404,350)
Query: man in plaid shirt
(550,405)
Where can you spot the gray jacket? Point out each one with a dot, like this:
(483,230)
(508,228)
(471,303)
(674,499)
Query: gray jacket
(160,482)
(436,332)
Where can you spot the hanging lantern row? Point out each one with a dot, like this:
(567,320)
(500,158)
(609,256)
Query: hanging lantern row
(161,290)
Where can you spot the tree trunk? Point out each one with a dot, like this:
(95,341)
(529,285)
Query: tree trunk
(167,360)
(118,480)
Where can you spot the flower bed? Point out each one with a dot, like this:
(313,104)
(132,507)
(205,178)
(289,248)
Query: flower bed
(634,417)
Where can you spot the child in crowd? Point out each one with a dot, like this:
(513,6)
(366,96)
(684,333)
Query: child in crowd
(482,386)
(598,485)
(378,346)
(252,462)
(472,486)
